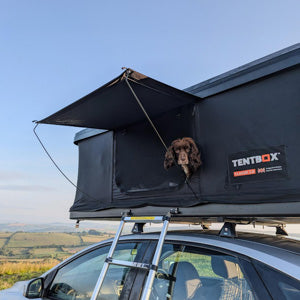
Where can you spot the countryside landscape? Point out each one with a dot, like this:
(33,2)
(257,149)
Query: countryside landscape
(28,254)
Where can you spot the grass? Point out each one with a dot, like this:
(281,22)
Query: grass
(8,268)
(18,271)
(49,252)
(73,250)
(4,235)
(94,238)
(39,239)
(26,255)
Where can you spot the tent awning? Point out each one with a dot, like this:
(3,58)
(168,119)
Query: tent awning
(114,106)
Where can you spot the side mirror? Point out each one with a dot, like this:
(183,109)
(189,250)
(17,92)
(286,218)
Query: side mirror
(34,288)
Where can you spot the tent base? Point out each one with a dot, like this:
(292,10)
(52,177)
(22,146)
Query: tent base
(265,213)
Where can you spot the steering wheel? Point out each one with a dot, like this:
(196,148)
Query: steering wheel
(65,289)
(160,287)
(72,293)
(162,274)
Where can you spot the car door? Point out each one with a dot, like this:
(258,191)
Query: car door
(192,272)
(77,279)
(280,285)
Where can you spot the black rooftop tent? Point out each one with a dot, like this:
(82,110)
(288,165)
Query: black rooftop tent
(245,122)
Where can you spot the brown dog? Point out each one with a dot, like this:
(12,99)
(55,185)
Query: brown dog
(183,152)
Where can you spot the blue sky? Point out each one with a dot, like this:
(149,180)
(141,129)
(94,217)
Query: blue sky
(54,52)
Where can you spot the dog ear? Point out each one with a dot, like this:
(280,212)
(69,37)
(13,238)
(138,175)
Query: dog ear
(169,158)
(194,155)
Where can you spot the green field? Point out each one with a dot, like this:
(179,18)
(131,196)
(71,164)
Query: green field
(4,235)
(25,255)
(94,239)
(25,239)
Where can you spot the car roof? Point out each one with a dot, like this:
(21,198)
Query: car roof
(280,253)
(279,241)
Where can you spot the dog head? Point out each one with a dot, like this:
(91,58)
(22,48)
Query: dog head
(183,152)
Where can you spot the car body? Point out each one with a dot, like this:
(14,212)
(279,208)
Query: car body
(194,264)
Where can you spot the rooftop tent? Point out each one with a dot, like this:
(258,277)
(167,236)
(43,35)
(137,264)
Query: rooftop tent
(249,140)
(245,122)
(114,106)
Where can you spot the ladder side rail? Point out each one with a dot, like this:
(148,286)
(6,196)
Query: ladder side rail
(155,261)
(106,264)
(116,239)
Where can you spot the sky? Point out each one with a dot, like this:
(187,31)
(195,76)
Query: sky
(54,52)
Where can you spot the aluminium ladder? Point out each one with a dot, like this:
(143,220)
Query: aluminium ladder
(151,267)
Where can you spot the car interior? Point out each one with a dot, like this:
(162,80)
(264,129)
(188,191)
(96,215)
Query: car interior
(225,282)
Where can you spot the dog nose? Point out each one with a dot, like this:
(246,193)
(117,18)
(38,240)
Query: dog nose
(183,158)
(182,155)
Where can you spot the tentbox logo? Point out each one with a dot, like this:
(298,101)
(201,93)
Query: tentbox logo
(256,159)
(257,165)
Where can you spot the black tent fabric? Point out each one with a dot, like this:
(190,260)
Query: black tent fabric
(248,136)
(249,142)
(113,105)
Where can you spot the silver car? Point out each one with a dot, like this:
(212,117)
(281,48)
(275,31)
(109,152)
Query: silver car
(193,265)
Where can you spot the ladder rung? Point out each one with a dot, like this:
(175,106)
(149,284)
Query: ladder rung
(131,264)
(156,219)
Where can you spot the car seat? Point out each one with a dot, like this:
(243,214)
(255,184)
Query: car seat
(187,280)
(232,286)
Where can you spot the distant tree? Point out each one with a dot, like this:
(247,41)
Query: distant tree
(94,232)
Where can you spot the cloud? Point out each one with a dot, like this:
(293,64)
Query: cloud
(11,175)
(13,180)
(31,188)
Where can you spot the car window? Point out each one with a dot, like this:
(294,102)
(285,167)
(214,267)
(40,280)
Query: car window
(192,273)
(77,279)
(281,286)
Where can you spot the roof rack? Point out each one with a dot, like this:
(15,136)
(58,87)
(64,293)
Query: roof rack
(229,227)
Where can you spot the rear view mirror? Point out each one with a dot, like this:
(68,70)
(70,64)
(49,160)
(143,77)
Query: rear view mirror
(34,288)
